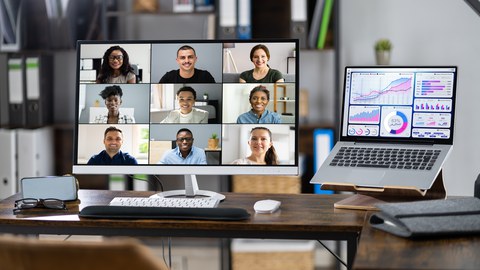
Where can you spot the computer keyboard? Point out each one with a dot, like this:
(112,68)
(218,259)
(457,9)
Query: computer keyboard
(207,202)
(410,159)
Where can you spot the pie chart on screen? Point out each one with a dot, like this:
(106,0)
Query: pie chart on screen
(395,122)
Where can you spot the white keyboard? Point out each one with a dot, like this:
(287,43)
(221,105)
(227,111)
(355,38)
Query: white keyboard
(207,202)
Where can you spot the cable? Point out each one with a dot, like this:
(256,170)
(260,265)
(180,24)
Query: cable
(157,183)
(333,253)
(169,263)
(163,254)
(170,252)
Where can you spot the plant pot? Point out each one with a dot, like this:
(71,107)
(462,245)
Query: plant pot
(382,57)
(212,143)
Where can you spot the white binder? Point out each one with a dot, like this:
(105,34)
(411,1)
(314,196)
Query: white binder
(8,165)
(35,152)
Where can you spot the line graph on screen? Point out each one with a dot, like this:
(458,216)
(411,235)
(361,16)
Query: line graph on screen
(391,88)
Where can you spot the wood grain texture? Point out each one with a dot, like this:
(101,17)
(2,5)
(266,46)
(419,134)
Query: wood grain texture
(381,250)
(301,216)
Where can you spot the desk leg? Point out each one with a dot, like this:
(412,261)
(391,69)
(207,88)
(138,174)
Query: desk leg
(225,256)
(351,250)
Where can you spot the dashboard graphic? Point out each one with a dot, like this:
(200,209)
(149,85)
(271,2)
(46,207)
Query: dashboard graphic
(434,85)
(388,88)
(399,102)
(395,121)
(364,114)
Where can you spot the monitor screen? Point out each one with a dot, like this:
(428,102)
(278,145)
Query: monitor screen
(206,107)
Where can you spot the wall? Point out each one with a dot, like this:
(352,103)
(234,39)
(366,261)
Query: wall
(427,32)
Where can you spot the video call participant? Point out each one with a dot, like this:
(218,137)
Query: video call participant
(112,95)
(186,97)
(261,146)
(261,73)
(259,98)
(186,59)
(116,67)
(185,152)
(112,155)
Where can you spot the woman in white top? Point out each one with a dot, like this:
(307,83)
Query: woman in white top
(261,146)
(186,97)
(116,67)
(113,100)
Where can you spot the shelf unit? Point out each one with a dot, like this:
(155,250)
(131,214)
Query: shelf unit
(280,101)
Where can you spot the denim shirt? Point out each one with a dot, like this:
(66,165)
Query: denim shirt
(196,156)
(267,118)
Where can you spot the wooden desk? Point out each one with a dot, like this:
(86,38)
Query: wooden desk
(304,216)
(381,250)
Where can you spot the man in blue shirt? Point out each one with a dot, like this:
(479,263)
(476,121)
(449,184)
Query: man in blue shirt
(185,152)
(113,140)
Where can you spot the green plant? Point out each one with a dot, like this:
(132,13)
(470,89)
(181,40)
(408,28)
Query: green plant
(214,136)
(383,45)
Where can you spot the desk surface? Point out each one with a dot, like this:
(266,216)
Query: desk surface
(304,216)
(300,217)
(380,250)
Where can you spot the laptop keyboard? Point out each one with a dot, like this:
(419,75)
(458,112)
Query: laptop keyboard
(409,159)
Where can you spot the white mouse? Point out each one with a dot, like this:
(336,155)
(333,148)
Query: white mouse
(266,206)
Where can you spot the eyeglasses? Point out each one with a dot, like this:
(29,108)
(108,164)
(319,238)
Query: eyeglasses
(28,203)
(184,139)
(115,57)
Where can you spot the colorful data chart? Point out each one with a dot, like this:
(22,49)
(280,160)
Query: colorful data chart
(432,105)
(396,121)
(431,133)
(434,120)
(364,115)
(385,88)
(362,130)
(434,85)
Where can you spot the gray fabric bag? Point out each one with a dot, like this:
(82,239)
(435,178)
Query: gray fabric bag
(454,216)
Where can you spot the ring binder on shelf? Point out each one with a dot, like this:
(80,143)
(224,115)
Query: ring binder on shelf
(38,80)
(298,21)
(16,97)
(4,107)
(227,16)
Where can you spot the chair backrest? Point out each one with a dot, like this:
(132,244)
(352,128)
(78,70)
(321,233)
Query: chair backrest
(20,253)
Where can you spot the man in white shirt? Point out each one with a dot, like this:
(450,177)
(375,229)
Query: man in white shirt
(186,113)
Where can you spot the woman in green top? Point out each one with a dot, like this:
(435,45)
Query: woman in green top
(262,73)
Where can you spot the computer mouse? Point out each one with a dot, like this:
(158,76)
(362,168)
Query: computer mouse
(266,206)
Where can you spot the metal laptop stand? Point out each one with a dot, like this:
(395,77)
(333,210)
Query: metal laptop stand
(366,198)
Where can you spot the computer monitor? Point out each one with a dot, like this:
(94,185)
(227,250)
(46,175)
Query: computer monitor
(153,108)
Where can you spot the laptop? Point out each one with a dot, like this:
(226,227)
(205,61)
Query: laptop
(396,128)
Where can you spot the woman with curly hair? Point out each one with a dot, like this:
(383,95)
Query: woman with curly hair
(116,67)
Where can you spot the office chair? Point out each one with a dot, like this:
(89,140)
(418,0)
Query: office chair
(21,253)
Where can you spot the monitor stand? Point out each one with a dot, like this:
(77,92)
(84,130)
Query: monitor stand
(366,198)
(191,190)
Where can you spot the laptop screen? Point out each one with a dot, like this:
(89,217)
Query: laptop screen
(399,104)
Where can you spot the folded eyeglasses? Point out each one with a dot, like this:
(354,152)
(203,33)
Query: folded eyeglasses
(29,203)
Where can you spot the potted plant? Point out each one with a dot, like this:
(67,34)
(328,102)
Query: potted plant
(213,141)
(205,96)
(383,48)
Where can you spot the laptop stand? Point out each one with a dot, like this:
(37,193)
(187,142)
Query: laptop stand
(366,197)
